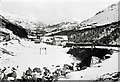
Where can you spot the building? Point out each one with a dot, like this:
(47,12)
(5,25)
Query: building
(47,39)
(60,40)
(55,40)
(32,38)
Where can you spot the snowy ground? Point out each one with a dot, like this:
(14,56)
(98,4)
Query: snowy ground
(27,54)
(92,73)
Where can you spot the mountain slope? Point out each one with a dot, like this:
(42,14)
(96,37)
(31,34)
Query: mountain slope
(106,16)
(103,28)
(26,23)
(6,26)
(62,26)
(104,34)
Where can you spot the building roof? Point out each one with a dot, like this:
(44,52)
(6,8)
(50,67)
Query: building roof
(31,36)
(61,37)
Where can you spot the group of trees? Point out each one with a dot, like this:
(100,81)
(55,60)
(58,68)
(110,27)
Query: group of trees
(101,34)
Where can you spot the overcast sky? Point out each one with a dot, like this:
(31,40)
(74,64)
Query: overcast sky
(55,11)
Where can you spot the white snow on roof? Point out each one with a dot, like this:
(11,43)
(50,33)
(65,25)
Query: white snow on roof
(63,37)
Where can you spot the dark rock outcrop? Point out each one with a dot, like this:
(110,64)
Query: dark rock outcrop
(85,54)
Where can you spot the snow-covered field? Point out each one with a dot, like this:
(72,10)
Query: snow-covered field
(27,54)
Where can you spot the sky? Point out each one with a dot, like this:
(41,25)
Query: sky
(55,11)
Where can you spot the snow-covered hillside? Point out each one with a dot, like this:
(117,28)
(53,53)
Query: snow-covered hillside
(8,27)
(12,36)
(101,28)
(105,16)
(27,23)
(4,29)
(62,26)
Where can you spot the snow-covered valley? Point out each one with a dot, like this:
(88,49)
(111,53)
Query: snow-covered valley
(32,50)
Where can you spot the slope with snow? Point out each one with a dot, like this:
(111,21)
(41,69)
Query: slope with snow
(14,28)
(3,23)
(63,26)
(103,17)
(103,28)
(27,23)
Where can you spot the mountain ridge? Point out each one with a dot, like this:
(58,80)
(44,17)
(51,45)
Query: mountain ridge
(101,28)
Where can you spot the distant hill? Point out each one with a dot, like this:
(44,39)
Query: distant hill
(62,26)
